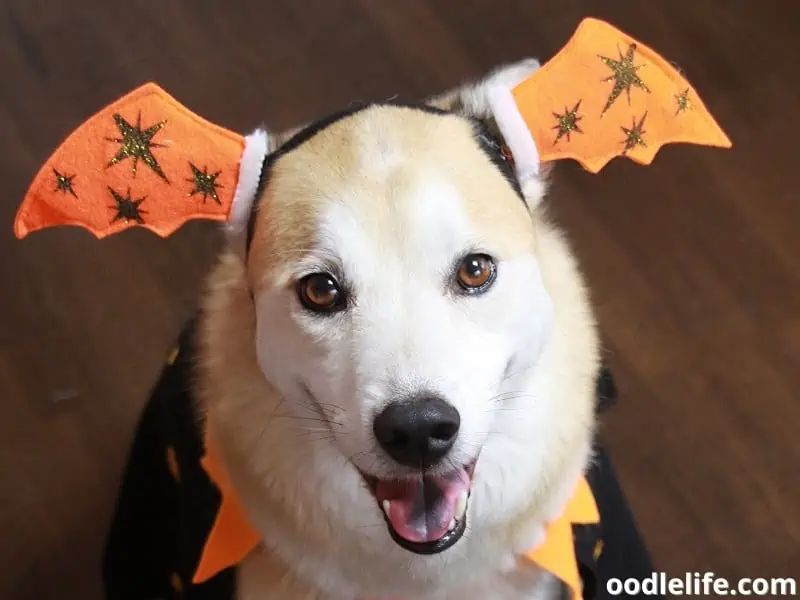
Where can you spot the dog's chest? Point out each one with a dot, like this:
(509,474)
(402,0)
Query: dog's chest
(528,584)
(262,577)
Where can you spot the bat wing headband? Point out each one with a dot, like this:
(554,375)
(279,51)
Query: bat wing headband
(148,161)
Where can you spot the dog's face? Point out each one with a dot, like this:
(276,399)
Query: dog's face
(401,314)
(402,361)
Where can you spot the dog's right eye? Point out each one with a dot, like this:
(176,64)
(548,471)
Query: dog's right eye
(320,292)
(476,273)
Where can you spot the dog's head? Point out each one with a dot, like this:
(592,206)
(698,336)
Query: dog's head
(406,299)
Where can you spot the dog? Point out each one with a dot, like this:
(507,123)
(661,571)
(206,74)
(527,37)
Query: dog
(398,361)
(416,319)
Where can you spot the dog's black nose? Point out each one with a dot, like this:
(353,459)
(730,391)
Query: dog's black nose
(417,433)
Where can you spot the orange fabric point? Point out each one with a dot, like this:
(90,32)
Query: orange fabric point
(232,537)
(606,95)
(144,160)
(557,554)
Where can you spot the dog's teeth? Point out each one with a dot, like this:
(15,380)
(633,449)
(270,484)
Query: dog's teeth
(385,506)
(461,505)
(452,525)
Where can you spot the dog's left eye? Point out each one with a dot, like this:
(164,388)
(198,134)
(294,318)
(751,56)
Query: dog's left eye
(320,292)
(476,273)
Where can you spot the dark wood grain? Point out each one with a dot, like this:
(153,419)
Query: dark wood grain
(694,262)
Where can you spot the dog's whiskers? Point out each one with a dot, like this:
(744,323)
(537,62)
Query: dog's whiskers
(305,429)
(311,419)
(505,409)
(520,371)
(511,395)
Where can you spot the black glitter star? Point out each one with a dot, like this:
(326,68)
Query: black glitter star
(204,183)
(136,144)
(683,101)
(568,122)
(633,136)
(64,183)
(126,208)
(625,76)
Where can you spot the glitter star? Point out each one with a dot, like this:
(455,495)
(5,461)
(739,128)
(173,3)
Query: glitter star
(568,122)
(136,144)
(625,76)
(64,183)
(634,135)
(126,208)
(683,101)
(204,183)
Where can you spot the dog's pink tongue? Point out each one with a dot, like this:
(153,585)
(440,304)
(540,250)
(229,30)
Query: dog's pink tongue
(421,509)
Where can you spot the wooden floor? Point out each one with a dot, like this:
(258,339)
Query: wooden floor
(694,262)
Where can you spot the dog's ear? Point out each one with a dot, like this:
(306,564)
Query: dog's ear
(490,102)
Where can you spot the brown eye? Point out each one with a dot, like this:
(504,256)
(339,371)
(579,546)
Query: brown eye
(476,273)
(321,293)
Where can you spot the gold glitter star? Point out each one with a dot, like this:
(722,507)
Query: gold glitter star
(137,144)
(633,136)
(172,463)
(204,183)
(683,101)
(625,76)
(126,208)
(598,549)
(64,183)
(568,122)
(173,355)
(176,583)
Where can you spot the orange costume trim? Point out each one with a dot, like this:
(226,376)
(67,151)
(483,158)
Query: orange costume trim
(148,161)
(232,536)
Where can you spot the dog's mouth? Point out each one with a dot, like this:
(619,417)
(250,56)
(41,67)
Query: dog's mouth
(425,513)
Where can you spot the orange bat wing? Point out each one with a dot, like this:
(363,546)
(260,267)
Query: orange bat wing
(145,160)
(606,95)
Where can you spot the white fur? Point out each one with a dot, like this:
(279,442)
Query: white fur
(517,362)
(491,99)
(474,97)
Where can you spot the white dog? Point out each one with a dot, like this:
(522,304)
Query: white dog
(398,359)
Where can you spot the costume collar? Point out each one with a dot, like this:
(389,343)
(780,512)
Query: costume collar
(232,536)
